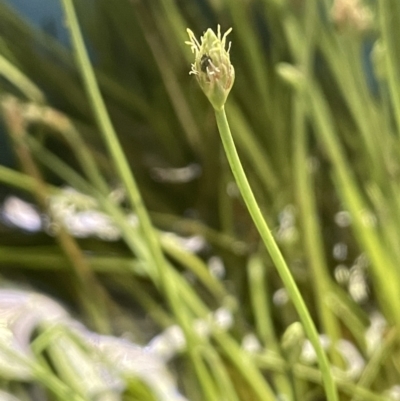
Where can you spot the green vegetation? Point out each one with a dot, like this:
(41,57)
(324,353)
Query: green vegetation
(298,245)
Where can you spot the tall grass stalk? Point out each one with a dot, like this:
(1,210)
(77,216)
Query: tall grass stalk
(386,278)
(303,49)
(87,287)
(134,196)
(166,277)
(275,253)
(261,305)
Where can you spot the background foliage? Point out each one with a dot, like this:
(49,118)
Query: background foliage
(315,115)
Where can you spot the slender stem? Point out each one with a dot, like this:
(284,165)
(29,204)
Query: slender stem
(304,185)
(114,147)
(391,64)
(383,267)
(19,180)
(262,312)
(313,242)
(20,80)
(109,135)
(164,272)
(221,375)
(271,361)
(274,252)
(87,288)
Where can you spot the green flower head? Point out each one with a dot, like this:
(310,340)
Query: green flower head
(212,66)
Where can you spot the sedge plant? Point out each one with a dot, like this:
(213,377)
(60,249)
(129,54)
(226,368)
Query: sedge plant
(215,74)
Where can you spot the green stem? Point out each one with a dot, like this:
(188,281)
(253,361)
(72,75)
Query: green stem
(261,305)
(391,64)
(20,80)
(271,361)
(109,135)
(311,232)
(303,52)
(274,252)
(42,375)
(164,272)
(383,267)
(221,375)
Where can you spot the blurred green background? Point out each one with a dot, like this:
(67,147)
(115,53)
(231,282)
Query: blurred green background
(315,114)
